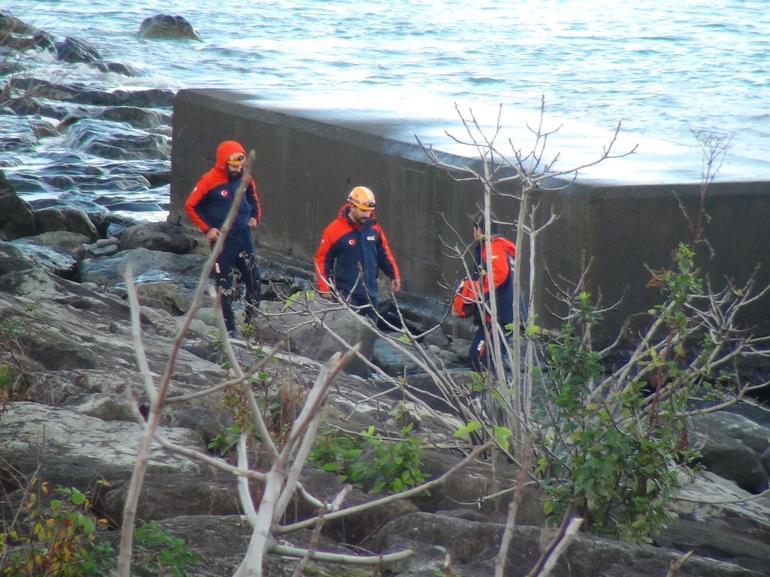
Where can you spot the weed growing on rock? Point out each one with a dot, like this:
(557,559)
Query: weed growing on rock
(369,461)
(160,553)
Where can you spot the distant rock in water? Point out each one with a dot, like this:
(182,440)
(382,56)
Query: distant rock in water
(169,27)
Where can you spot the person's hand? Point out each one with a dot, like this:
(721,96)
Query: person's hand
(327,296)
(395,285)
(252,222)
(212,234)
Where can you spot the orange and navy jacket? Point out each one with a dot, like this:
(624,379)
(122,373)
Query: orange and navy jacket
(210,200)
(503,253)
(347,249)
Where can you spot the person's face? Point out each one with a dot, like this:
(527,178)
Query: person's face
(235,164)
(358,215)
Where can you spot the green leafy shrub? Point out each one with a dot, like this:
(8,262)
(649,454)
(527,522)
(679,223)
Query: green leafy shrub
(369,461)
(57,538)
(614,456)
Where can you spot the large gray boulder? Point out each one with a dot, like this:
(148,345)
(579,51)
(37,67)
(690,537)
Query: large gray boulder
(318,329)
(731,446)
(716,518)
(472,547)
(157,236)
(55,260)
(65,218)
(35,433)
(147,265)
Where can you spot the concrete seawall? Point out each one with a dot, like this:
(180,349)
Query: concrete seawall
(305,168)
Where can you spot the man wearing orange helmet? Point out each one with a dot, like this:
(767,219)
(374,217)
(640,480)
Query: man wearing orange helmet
(208,205)
(353,249)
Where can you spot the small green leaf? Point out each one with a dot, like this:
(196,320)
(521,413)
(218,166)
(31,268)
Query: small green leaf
(502,436)
(464,431)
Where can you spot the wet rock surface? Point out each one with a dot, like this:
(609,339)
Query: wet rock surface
(83,393)
(104,146)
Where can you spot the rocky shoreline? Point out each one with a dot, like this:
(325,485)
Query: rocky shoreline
(65,337)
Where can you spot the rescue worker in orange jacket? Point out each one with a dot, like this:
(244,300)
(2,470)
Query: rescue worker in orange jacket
(208,205)
(353,249)
(465,303)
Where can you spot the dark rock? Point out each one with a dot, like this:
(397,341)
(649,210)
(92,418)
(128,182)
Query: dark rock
(116,141)
(473,484)
(716,541)
(157,236)
(133,206)
(205,493)
(765,460)
(425,388)
(24,106)
(70,199)
(9,66)
(730,424)
(221,543)
(12,260)
(164,26)
(16,216)
(159,178)
(135,116)
(43,128)
(151,97)
(10,25)
(473,547)
(734,461)
(76,50)
(719,520)
(65,218)
(730,446)
(182,269)
(56,261)
(114,224)
(312,340)
(117,68)
(71,242)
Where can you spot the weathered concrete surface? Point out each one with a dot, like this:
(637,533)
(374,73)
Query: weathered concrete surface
(306,167)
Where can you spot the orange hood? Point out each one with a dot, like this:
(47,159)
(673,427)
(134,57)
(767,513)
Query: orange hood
(225,150)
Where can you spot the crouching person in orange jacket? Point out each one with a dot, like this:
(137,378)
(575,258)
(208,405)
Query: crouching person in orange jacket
(472,290)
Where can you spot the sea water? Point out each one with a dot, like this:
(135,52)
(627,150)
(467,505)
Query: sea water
(667,70)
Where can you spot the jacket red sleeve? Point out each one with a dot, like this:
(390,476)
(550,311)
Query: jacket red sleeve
(255,201)
(386,261)
(190,205)
(322,267)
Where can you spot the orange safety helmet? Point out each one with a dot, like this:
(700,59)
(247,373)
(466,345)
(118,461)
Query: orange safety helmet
(362,198)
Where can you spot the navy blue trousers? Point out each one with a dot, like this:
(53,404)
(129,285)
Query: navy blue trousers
(237,263)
